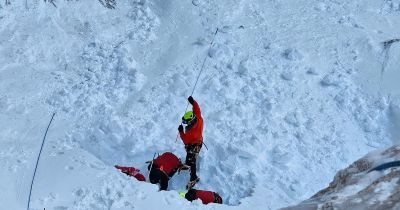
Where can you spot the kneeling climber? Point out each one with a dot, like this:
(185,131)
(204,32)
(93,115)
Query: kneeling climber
(163,168)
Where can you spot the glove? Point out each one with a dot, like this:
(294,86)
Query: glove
(180,128)
(190,99)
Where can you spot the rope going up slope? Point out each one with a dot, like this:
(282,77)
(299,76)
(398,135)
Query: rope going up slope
(37,161)
(201,71)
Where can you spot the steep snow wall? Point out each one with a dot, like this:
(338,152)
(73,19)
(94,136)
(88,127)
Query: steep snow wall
(282,105)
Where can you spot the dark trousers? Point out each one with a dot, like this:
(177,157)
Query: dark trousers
(192,152)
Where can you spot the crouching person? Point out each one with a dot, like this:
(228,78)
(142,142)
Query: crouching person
(163,168)
(206,197)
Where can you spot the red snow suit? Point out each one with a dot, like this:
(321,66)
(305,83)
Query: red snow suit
(194,135)
(167,163)
(206,197)
(131,171)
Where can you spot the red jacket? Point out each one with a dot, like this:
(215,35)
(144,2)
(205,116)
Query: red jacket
(206,197)
(194,135)
(131,171)
(167,162)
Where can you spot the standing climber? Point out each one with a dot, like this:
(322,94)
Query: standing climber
(206,197)
(163,168)
(192,137)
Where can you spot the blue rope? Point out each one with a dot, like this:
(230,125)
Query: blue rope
(37,161)
(386,166)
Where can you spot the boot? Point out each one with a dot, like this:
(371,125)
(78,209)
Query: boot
(191,183)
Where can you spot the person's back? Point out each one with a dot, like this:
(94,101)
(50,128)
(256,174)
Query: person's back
(162,168)
(168,163)
(206,197)
(194,130)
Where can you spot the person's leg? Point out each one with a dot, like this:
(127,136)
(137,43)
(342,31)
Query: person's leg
(164,181)
(196,151)
(193,174)
(191,161)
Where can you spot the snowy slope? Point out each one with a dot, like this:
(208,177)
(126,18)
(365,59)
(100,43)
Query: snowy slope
(289,96)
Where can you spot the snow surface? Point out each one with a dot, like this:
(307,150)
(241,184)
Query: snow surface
(289,95)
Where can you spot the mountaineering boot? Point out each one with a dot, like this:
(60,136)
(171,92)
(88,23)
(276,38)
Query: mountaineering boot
(191,184)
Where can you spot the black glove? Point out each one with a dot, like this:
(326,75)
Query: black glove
(180,128)
(190,99)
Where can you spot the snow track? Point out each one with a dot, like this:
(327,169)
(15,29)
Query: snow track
(280,96)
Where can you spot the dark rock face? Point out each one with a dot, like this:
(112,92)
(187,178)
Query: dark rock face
(359,188)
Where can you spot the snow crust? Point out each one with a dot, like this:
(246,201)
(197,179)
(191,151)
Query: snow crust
(289,95)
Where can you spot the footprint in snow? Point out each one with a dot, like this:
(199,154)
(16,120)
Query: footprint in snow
(69,168)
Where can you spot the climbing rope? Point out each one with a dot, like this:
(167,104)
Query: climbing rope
(37,161)
(151,166)
(204,61)
(198,76)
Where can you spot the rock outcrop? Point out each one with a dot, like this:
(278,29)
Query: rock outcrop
(372,182)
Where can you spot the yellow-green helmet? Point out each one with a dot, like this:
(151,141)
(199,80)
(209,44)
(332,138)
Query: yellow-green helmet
(182,194)
(187,117)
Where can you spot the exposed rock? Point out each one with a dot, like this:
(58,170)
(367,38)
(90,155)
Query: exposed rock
(357,187)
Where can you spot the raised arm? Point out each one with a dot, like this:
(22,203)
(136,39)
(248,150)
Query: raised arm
(196,107)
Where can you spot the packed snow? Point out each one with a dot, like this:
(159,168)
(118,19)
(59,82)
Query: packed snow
(292,91)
